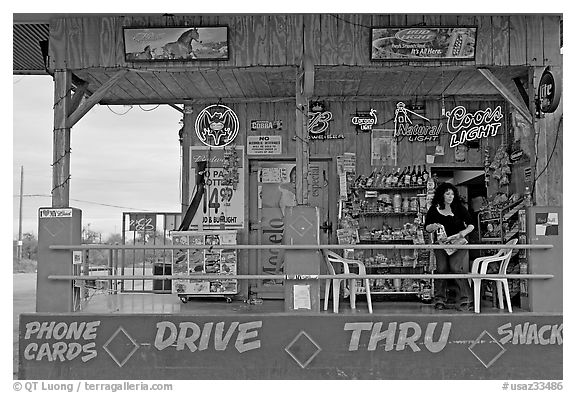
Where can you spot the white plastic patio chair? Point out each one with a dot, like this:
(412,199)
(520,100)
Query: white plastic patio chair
(331,259)
(480,266)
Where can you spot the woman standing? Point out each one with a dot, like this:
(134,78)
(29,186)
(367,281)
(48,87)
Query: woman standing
(447,212)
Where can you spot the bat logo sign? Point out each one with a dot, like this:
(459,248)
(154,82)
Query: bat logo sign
(217,125)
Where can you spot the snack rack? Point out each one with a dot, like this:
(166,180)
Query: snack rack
(222,262)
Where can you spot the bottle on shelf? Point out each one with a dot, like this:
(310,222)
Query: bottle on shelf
(527,197)
(389,178)
(414,176)
(380,182)
(436,180)
(425,175)
(430,184)
(379,178)
(407,178)
(419,177)
(400,180)
(395,178)
(370,179)
(400,177)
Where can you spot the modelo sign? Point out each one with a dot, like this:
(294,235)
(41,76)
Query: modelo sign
(549,91)
(416,36)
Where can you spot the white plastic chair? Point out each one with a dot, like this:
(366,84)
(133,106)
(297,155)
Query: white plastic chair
(480,266)
(332,259)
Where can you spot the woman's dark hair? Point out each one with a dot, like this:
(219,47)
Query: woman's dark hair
(438,199)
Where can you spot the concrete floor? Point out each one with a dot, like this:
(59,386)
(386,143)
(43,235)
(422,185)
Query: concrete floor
(148,303)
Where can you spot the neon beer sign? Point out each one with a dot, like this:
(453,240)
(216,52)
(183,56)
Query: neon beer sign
(466,127)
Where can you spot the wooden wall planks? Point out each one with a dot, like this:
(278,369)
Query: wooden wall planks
(501,40)
(278,39)
(91,31)
(551,40)
(74,43)
(518,40)
(311,38)
(258,47)
(409,153)
(361,39)
(345,38)
(329,40)
(108,36)
(554,153)
(484,40)
(81,42)
(239,41)
(535,40)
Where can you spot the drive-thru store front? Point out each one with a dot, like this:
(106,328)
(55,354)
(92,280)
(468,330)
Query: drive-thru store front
(302,133)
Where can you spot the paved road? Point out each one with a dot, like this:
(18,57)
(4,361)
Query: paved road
(24,300)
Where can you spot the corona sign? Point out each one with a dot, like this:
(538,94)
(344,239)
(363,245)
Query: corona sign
(217,125)
(365,121)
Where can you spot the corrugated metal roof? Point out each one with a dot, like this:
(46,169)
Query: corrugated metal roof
(27,55)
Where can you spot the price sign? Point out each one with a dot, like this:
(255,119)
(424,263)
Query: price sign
(221,203)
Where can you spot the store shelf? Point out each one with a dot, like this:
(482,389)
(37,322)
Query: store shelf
(393,267)
(410,188)
(514,210)
(492,239)
(505,217)
(382,214)
(393,292)
(395,241)
(490,219)
(510,234)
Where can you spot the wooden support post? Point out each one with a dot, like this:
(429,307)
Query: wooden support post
(302,223)
(304,90)
(302,152)
(507,94)
(61,141)
(548,188)
(76,100)
(95,98)
(185,143)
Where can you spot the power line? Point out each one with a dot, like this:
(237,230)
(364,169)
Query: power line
(84,201)
(553,150)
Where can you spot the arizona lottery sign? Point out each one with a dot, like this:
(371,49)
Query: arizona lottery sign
(465,127)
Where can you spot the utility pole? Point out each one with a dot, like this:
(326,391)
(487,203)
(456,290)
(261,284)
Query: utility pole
(19,248)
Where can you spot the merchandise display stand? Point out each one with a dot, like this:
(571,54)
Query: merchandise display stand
(223,262)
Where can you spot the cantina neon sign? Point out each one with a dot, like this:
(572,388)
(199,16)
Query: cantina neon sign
(465,127)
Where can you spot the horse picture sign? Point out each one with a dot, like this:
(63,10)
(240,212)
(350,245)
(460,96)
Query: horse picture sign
(175,43)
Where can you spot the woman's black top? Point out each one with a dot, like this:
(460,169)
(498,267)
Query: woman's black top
(452,223)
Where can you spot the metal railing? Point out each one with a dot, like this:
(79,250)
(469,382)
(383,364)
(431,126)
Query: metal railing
(123,277)
(115,282)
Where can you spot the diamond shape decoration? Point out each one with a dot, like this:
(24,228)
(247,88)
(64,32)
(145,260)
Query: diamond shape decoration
(484,350)
(56,227)
(301,225)
(303,349)
(122,346)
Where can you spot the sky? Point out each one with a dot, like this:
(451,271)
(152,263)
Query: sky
(123,158)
